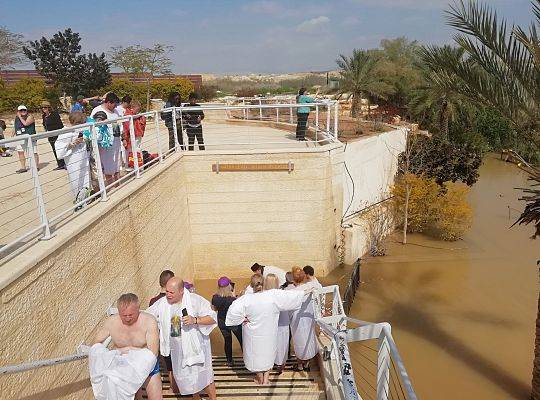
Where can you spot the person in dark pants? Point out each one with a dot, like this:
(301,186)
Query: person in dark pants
(52,122)
(193,124)
(221,301)
(302,114)
(175,100)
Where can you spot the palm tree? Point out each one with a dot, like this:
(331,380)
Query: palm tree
(501,67)
(502,71)
(438,95)
(360,78)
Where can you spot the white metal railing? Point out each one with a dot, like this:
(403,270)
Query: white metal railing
(34,204)
(385,376)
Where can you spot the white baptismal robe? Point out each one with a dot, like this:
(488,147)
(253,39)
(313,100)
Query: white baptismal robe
(76,159)
(259,335)
(270,269)
(116,376)
(303,323)
(282,350)
(191,377)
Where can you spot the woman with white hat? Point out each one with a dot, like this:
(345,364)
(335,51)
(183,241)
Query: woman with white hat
(25,124)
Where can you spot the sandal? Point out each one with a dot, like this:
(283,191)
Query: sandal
(298,368)
(22,170)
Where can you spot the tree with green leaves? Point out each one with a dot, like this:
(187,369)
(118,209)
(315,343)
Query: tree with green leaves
(360,78)
(146,62)
(11,48)
(59,60)
(501,65)
(438,98)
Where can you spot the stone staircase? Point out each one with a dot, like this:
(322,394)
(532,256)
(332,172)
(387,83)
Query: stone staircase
(236,383)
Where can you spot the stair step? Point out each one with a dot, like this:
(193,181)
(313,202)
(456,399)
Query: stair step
(259,392)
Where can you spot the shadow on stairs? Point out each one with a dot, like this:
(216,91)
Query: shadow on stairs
(237,382)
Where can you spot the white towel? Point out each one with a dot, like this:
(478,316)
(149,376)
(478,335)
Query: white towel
(192,352)
(116,376)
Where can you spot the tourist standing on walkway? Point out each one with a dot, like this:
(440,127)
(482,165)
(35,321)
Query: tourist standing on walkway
(193,124)
(51,122)
(109,150)
(303,321)
(259,314)
(25,124)
(221,301)
(310,274)
(282,352)
(139,126)
(185,321)
(175,100)
(4,151)
(302,114)
(78,106)
(71,148)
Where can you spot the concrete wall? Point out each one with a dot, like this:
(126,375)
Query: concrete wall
(70,281)
(274,218)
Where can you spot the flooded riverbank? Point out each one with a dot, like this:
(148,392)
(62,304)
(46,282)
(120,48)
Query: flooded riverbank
(463,313)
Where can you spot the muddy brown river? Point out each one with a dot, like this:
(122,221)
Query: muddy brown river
(463,313)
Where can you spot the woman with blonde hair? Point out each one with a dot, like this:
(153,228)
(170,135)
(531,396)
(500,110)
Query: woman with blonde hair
(221,301)
(303,321)
(259,314)
(272,282)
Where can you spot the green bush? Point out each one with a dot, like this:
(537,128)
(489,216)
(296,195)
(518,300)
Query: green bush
(30,92)
(123,87)
(161,89)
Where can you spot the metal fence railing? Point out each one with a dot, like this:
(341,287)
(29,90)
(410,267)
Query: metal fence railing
(36,198)
(367,356)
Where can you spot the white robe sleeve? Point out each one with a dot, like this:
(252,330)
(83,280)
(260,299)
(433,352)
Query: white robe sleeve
(287,300)
(61,145)
(236,313)
(203,308)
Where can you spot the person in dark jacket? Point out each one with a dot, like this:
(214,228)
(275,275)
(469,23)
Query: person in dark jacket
(221,301)
(52,122)
(193,124)
(175,100)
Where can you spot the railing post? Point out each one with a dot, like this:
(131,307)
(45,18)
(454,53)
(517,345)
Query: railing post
(97,160)
(244,108)
(328,111)
(175,129)
(383,367)
(156,124)
(347,376)
(37,190)
(184,137)
(260,109)
(316,121)
(277,114)
(336,112)
(291,116)
(134,148)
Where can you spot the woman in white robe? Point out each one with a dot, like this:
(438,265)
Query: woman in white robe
(282,351)
(303,321)
(71,147)
(259,314)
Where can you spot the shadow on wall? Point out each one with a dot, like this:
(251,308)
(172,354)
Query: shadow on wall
(60,391)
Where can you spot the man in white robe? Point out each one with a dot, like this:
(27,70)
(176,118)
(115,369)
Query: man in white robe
(259,314)
(118,374)
(185,321)
(264,270)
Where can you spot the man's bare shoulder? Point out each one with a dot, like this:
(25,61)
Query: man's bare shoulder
(147,320)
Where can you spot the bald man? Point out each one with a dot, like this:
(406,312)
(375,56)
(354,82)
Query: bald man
(135,337)
(185,321)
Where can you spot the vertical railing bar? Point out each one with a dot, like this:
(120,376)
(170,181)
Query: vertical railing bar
(97,160)
(37,190)
(316,120)
(156,124)
(336,112)
(175,129)
(260,109)
(134,148)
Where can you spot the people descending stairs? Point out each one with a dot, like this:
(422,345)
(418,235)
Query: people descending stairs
(237,383)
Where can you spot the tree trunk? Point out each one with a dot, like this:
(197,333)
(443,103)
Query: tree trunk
(406,211)
(368,108)
(444,120)
(354,106)
(535,393)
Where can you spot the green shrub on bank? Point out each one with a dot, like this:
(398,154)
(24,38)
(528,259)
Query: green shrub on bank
(27,91)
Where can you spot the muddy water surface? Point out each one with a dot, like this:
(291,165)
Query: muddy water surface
(463,313)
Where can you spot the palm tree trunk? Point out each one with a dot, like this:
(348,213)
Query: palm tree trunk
(535,393)
(354,106)
(444,120)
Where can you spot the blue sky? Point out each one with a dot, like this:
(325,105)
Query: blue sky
(261,36)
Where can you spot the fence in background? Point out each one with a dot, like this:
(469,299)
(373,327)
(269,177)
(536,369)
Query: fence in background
(36,203)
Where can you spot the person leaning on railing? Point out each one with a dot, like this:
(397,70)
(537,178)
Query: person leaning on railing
(51,122)
(302,114)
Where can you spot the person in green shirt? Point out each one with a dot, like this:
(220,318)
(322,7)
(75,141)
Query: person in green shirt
(302,114)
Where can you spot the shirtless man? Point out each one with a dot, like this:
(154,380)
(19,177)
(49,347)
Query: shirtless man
(131,329)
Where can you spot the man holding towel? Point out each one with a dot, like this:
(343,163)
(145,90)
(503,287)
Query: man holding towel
(119,373)
(185,321)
